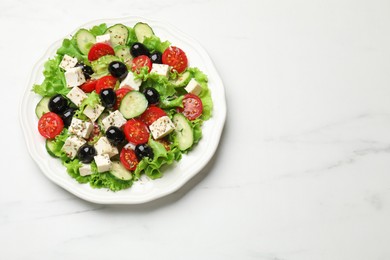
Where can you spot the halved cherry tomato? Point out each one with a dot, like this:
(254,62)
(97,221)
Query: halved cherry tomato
(151,114)
(192,106)
(140,62)
(120,93)
(99,50)
(176,58)
(128,158)
(89,86)
(105,82)
(50,125)
(136,131)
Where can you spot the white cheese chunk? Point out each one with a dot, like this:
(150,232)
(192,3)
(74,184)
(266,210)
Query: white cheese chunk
(160,69)
(113,119)
(85,169)
(130,82)
(93,113)
(161,127)
(68,62)
(74,77)
(76,95)
(130,146)
(103,162)
(193,87)
(105,38)
(103,146)
(72,145)
(80,128)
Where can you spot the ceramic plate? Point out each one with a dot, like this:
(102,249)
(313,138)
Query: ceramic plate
(176,175)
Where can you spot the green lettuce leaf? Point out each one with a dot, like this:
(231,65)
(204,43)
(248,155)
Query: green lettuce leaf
(99,29)
(69,47)
(54,82)
(153,43)
(205,94)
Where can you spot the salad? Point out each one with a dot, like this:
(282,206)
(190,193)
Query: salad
(117,103)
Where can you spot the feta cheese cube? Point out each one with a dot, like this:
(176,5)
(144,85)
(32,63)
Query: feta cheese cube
(103,162)
(113,119)
(68,62)
(85,169)
(74,77)
(160,69)
(72,145)
(130,82)
(93,113)
(161,127)
(193,87)
(105,38)
(80,128)
(76,95)
(103,146)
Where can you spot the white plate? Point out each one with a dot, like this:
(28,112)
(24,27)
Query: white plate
(144,190)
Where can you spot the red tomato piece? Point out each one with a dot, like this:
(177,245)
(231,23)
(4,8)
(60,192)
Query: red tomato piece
(99,50)
(50,125)
(105,82)
(128,159)
(120,93)
(89,86)
(151,114)
(192,106)
(176,58)
(140,62)
(136,131)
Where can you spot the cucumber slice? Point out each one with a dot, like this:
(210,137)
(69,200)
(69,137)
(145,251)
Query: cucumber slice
(84,40)
(142,31)
(182,80)
(119,171)
(123,52)
(50,147)
(42,107)
(133,104)
(118,34)
(184,132)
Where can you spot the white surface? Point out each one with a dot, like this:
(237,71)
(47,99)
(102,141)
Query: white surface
(303,169)
(146,190)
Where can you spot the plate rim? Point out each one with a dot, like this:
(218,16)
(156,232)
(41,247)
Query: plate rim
(211,147)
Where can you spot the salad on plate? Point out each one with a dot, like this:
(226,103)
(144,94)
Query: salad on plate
(117,103)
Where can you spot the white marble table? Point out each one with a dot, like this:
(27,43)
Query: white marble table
(302,170)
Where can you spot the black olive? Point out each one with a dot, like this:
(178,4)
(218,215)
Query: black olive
(115,135)
(67,116)
(108,97)
(138,49)
(87,70)
(143,150)
(156,57)
(118,69)
(151,95)
(58,104)
(86,153)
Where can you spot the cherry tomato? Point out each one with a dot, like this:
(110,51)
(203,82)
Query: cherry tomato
(99,50)
(105,82)
(136,131)
(151,114)
(192,106)
(50,125)
(128,159)
(120,93)
(89,86)
(176,58)
(141,61)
